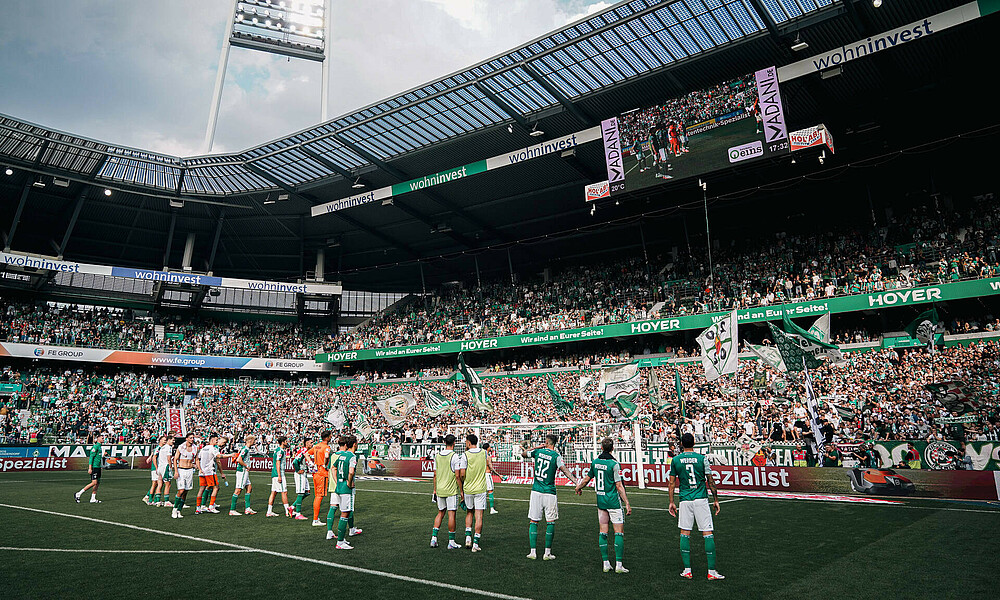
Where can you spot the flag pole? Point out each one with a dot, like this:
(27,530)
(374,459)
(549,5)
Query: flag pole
(708,235)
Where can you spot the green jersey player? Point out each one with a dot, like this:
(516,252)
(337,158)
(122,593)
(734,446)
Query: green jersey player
(607,476)
(691,472)
(543,493)
(343,465)
(278,482)
(94,461)
(243,478)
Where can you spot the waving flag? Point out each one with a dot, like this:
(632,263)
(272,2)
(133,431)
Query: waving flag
(922,328)
(395,407)
(362,426)
(719,347)
(563,406)
(479,399)
(337,415)
(436,404)
(621,388)
(655,397)
(770,355)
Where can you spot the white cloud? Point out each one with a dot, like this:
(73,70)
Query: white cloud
(141,74)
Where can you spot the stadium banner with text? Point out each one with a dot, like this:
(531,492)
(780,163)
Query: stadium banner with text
(703,131)
(123,357)
(972,485)
(71,457)
(546,148)
(45,263)
(811,137)
(889,39)
(974,288)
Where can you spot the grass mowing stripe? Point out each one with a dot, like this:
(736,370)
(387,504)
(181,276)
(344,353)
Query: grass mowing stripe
(457,588)
(527,500)
(123,551)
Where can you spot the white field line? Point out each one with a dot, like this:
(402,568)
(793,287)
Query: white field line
(87,550)
(325,563)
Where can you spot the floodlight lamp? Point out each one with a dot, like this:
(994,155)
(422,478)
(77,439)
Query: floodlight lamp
(798,44)
(38,183)
(357,184)
(510,128)
(536,132)
(876,3)
(9,171)
(107,192)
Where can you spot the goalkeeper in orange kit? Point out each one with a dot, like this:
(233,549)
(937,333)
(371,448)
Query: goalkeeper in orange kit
(320,453)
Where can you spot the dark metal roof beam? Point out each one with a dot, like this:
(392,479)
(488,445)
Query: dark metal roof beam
(326,162)
(180,182)
(215,241)
(502,105)
(41,153)
(170,238)
(574,110)
(17,215)
(72,222)
(772,27)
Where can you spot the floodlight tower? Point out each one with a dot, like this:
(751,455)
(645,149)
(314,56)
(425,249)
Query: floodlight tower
(292,28)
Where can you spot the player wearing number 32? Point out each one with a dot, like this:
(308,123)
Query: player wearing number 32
(691,472)
(548,462)
(607,476)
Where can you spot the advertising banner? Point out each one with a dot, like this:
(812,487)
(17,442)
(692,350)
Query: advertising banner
(124,357)
(901,297)
(890,39)
(811,137)
(451,175)
(176,421)
(44,263)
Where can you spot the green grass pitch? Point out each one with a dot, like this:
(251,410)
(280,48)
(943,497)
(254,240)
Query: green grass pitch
(766,548)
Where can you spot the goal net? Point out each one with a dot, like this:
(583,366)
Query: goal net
(579,443)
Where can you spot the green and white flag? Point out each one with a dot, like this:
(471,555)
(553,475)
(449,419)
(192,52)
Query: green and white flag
(436,404)
(479,399)
(620,385)
(337,415)
(720,347)
(395,407)
(362,426)
(655,397)
(563,406)
(922,328)
(954,396)
(770,355)
(821,328)
(810,344)
(584,382)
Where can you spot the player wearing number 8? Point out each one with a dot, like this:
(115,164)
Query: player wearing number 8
(607,476)
(691,472)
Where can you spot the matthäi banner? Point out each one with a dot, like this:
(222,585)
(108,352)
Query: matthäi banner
(189,361)
(509,159)
(45,263)
(885,299)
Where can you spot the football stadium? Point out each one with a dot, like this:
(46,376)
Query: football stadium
(529,328)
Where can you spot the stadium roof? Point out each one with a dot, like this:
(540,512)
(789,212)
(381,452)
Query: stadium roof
(633,53)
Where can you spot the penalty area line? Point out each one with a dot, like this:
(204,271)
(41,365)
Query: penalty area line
(325,563)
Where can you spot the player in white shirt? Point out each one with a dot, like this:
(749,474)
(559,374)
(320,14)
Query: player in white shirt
(183,463)
(490,472)
(208,478)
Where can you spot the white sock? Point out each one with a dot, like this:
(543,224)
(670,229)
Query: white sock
(93,495)
(618,564)
(270,508)
(607,564)
(286,508)
(80,493)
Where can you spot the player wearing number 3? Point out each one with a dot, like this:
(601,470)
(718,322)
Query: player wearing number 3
(691,472)
(607,476)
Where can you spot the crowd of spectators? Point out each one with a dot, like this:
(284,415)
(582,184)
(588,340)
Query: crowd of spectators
(102,327)
(922,247)
(878,394)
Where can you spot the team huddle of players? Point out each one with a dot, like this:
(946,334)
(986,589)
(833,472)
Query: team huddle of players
(320,462)
(663,141)
(461,480)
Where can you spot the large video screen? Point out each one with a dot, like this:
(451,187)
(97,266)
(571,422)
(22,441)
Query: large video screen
(707,130)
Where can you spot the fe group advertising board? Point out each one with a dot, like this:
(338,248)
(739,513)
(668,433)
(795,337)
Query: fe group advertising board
(738,120)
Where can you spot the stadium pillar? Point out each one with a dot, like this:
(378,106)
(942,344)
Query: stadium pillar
(17,215)
(320,264)
(188,252)
(215,241)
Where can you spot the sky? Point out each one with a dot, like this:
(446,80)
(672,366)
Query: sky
(140,73)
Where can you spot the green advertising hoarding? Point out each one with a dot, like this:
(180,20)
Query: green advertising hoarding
(886,299)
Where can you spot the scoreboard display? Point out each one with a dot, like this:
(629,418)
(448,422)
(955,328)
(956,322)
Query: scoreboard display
(738,120)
